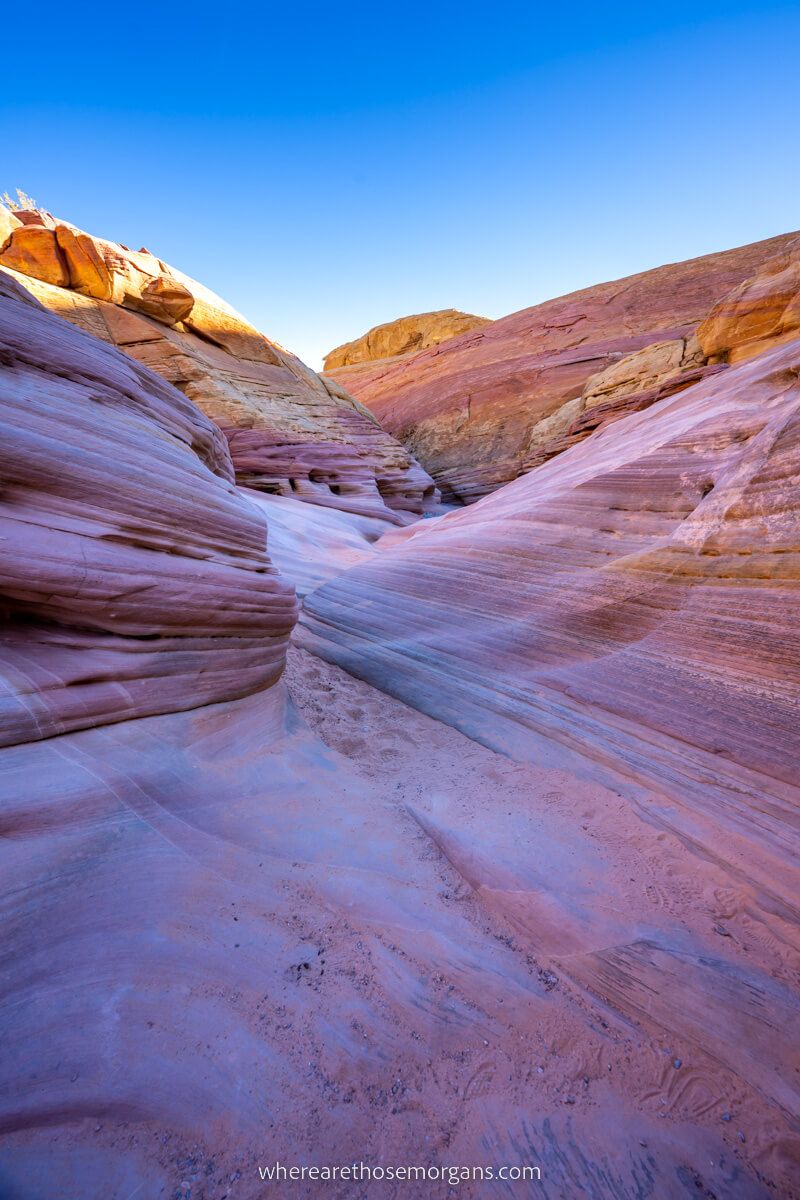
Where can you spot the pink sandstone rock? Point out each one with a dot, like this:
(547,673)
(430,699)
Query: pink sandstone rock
(628,609)
(228,944)
(475,409)
(309,547)
(134,578)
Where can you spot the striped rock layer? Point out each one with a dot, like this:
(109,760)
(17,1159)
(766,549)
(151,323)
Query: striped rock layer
(134,578)
(480,409)
(290,432)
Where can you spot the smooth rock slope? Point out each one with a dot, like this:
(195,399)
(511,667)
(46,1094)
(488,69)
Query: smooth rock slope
(227,944)
(134,578)
(482,408)
(627,611)
(631,601)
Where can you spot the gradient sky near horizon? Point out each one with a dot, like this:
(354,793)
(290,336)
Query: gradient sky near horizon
(326,167)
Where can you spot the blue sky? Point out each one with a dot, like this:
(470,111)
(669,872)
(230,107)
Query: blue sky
(326,167)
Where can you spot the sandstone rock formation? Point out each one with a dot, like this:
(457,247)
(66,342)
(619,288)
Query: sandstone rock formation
(628,611)
(403,336)
(309,548)
(762,312)
(630,384)
(134,579)
(227,943)
(289,431)
(657,556)
(477,409)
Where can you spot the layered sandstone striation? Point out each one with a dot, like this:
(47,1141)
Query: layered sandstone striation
(762,312)
(630,384)
(626,611)
(403,336)
(134,579)
(289,431)
(627,607)
(482,408)
(231,941)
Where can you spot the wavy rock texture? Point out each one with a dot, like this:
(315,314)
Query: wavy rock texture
(289,431)
(227,944)
(404,336)
(477,409)
(312,546)
(658,557)
(627,611)
(134,578)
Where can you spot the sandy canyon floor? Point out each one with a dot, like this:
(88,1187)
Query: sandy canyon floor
(605,1106)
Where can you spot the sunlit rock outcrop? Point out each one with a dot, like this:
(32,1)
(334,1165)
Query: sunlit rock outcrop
(477,409)
(290,432)
(763,311)
(403,336)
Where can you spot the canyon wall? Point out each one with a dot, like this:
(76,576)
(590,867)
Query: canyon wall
(483,408)
(629,602)
(227,943)
(222,944)
(625,612)
(290,432)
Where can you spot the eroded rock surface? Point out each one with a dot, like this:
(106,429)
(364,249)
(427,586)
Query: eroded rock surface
(657,558)
(134,579)
(627,611)
(477,409)
(227,943)
(404,336)
(290,432)
(629,385)
(230,945)
(763,311)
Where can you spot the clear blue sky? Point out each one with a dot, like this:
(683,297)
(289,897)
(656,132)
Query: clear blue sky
(329,166)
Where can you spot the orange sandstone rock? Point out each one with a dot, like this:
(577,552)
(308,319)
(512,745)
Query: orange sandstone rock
(403,336)
(33,250)
(107,272)
(762,312)
(469,408)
